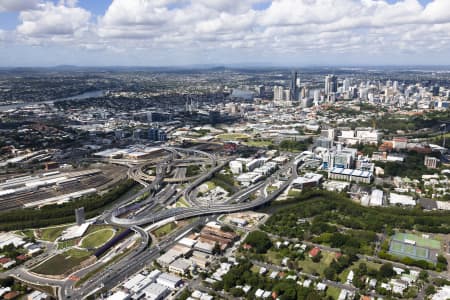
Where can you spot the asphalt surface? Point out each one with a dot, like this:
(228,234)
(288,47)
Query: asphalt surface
(136,260)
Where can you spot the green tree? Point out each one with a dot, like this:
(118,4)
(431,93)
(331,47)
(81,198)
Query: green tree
(430,290)
(259,241)
(386,270)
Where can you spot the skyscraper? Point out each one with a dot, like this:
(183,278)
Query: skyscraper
(294,87)
(278,93)
(330,84)
(346,85)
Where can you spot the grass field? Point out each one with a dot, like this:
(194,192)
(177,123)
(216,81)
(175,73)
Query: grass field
(164,230)
(104,266)
(259,143)
(181,203)
(420,241)
(211,185)
(66,244)
(232,136)
(97,238)
(51,233)
(307,265)
(62,263)
(370,265)
(311,267)
(333,292)
(27,233)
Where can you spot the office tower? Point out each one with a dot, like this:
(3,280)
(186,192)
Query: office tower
(330,84)
(346,85)
(79,216)
(303,93)
(278,93)
(294,87)
(287,95)
(395,85)
(261,90)
(435,90)
(316,96)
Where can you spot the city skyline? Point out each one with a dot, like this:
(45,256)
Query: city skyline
(250,32)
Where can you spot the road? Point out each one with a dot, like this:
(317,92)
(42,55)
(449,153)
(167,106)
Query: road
(134,261)
(117,273)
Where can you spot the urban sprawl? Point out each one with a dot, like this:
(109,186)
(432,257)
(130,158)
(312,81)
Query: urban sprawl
(224,183)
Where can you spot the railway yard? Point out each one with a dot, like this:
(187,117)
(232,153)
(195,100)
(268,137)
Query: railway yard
(55,187)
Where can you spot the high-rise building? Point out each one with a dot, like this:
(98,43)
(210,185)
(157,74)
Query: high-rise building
(79,216)
(261,90)
(278,93)
(316,97)
(330,84)
(395,85)
(435,90)
(294,87)
(346,85)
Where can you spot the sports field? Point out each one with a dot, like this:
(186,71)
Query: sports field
(420,241)
(97,238)
(423,249)
(403,249)
(232,136)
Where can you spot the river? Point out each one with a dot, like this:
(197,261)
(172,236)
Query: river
(86,95)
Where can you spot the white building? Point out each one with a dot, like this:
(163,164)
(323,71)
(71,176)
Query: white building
(376,198)
(156,291)
(404,200)
(307,180)
(169,280)
(236,167)
(120,295)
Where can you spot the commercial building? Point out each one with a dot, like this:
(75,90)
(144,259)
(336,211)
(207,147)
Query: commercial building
(180,266)
(307,180)
(350,175)
(397,199)
(156,291)
(157,135)
(120,295)
(169,280)
(236,167)
(376,198)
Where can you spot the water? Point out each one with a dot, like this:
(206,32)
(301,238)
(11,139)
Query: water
(86,95)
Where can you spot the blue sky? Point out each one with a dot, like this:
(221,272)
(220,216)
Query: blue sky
(184,32)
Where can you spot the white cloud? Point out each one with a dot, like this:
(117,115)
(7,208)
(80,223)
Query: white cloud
(17,5)
(53,21)
(294,27)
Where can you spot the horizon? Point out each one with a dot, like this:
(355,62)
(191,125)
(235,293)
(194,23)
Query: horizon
(229,66)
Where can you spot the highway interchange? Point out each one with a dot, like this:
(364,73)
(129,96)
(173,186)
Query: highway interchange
(138,211)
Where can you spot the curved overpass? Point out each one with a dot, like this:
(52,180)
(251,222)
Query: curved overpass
(183,213)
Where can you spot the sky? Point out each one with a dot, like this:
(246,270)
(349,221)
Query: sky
(224,32)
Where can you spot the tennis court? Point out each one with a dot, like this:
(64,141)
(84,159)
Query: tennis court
(414,246)
(420,241)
